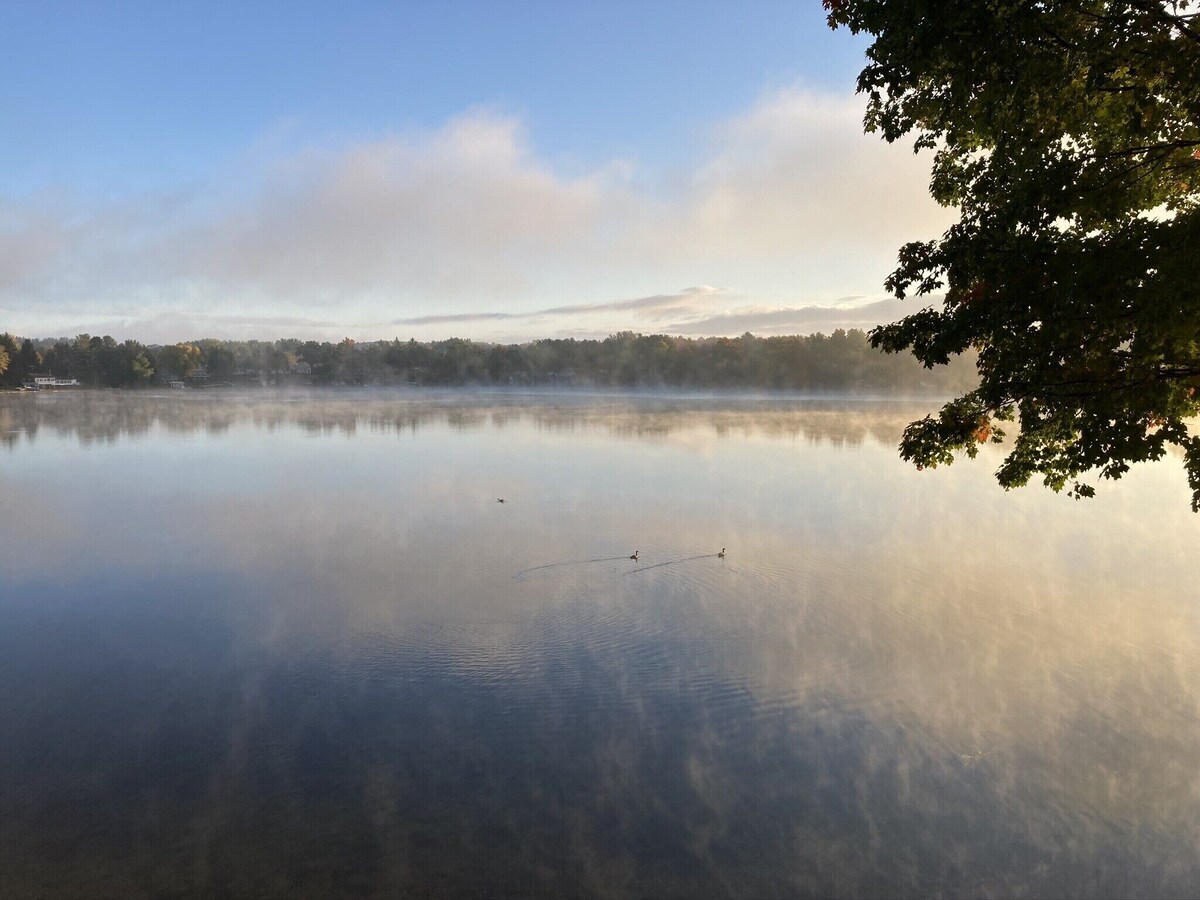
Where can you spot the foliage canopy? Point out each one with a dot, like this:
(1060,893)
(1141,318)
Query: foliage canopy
(1067,134)
(841,361)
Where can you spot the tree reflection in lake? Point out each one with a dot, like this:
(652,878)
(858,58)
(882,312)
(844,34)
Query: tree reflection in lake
(260,647)
(106,416)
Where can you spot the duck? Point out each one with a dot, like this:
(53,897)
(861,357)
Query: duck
(721,555)
(499,499)
(635,555)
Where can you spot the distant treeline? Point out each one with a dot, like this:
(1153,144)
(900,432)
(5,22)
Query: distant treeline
(841,361)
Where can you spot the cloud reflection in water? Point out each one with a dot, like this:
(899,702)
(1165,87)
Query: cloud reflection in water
(295,658)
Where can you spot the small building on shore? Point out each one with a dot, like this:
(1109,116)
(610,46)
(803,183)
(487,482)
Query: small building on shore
(43,382)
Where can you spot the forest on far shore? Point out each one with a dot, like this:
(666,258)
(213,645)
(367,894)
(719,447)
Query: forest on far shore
(841,361)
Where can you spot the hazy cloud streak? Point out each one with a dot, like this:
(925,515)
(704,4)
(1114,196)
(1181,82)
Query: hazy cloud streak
(798,320)
(655,306)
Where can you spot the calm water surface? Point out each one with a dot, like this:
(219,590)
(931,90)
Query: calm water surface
(293,646)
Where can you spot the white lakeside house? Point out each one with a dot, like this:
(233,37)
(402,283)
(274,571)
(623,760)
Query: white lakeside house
(40,382)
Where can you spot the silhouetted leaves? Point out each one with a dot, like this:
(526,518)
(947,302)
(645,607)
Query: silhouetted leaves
(1068,136)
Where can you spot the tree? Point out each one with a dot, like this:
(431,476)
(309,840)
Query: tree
(349,363)
(11,369)
(180,360)
(26,361)
(219,360)
(141,368)
(320,357)
(112,363)
(1067,133)
(83,358)
(58,359)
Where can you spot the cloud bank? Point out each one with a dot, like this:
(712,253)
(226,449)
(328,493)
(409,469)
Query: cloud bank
(466,229)
(692,312)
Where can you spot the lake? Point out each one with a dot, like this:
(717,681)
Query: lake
(292,645)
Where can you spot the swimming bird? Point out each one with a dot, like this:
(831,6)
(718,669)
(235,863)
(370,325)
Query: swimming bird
(635,555)
(721,555)
(499,499)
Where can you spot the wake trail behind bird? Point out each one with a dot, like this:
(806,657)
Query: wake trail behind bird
(570,562)
(672,562)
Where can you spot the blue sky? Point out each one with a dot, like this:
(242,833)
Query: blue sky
(499,171)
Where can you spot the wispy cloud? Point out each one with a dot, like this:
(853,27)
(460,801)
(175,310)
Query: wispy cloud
(657,306)
(691,312)
(794,320)
(460,317)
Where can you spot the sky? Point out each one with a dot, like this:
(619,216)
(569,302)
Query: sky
(501,171)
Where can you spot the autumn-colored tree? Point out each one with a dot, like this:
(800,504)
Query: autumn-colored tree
(1067,135)
(180,359)
(141,368)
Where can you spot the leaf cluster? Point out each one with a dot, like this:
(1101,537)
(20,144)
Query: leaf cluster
(1067,134)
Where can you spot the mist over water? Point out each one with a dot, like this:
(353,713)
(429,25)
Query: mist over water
(292,645)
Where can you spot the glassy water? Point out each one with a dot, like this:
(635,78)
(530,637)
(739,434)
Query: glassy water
(294,646)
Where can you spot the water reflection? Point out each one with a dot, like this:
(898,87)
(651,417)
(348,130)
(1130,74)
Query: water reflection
(306,652)
(108,416)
